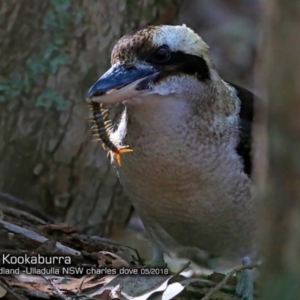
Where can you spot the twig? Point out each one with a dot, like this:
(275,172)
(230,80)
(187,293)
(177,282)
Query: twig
(56,289)
(183,268)
(114,243)
(10,291)
(81,284)
(29,207)
(115,293)
(37,237)
(15,212)
(226,278)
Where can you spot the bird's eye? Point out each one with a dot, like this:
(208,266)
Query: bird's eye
(161,55)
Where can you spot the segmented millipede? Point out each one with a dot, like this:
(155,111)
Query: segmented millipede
(102,127)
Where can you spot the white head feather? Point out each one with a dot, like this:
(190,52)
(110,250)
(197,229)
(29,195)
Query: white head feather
(182,38)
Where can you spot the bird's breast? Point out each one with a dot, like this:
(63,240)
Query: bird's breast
(190,188)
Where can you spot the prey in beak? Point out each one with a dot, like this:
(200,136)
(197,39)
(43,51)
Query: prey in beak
(119,83)
(101,129)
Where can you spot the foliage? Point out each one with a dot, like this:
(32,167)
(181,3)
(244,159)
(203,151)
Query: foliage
(52,56)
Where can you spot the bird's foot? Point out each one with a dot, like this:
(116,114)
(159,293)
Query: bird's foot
(121,150)
(244,289)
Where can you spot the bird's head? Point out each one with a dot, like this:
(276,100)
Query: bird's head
(160,60)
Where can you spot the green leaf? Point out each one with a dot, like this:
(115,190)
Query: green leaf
(50,98)
(58,40)
(78,15)
(60,103)
(61,5)
(56,61)
(50,21)
(64,281)
(45,99)
(3,87)
(36,65)
(50,48)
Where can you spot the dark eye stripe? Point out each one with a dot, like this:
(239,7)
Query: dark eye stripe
(192,64)
(181,62)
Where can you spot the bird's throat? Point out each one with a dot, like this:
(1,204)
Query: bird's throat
(157,113)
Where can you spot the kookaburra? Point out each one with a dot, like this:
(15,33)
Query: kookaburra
(189,173)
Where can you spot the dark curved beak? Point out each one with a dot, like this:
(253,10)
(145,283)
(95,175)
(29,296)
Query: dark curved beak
(118,83)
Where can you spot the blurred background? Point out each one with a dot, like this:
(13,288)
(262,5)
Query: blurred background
(50,54)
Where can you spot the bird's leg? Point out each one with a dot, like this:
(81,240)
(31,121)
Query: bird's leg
(157,258)
(244,289)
